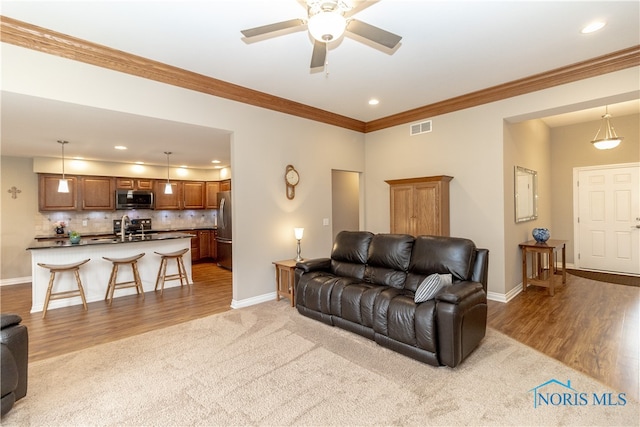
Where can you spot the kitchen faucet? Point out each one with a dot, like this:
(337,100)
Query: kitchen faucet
(125,222)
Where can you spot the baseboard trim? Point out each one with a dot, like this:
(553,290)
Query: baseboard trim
(15,281)
(253,300)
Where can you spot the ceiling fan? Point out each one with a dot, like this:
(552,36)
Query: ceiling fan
(327,21)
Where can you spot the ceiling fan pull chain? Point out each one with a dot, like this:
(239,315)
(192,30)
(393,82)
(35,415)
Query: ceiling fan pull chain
(326,61)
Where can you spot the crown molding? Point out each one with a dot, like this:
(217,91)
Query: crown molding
(44,40)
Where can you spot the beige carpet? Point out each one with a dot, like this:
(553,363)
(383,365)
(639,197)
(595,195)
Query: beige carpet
(268,365)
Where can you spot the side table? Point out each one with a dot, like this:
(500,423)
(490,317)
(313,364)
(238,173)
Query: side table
(539,251)
(285,279)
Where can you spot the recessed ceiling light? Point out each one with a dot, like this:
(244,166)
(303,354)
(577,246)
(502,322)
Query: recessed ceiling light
(373,101)
(215,161)
(120,147)
(593,27)
(139,163)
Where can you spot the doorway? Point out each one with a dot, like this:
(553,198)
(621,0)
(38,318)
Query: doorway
(345,201)
(607,218)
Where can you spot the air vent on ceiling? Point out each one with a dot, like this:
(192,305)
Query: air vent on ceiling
(418,128)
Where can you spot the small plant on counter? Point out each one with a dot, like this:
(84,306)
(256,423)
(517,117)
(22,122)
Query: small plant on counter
(74,237)
(59,224)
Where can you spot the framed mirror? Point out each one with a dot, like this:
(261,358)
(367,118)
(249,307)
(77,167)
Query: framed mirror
(526,194)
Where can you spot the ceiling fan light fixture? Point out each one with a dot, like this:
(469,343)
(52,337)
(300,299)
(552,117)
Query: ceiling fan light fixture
(326,26)
(610,138)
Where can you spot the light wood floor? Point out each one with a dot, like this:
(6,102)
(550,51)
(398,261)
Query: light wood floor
(590,326)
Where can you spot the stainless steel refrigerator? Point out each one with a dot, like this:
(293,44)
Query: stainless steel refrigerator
(223,241)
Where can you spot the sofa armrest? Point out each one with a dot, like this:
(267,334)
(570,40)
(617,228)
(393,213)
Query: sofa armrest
(461,316)
(457,292)
(314,264)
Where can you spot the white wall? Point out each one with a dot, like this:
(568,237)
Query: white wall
(263,143)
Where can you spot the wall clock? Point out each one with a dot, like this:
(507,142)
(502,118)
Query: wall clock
(291,179)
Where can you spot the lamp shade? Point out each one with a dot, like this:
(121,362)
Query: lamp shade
(326,26)
(298,233)
(606,144)
(610,139)
(168,189)
(63,186)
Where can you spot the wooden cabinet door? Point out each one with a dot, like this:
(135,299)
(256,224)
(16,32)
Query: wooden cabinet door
(211,194)
(225,185)
(168,201)
(134,184)
(193,194)
(195,247)
(97,193)
(50,200)
(204,237)
(426,208)
(402,209)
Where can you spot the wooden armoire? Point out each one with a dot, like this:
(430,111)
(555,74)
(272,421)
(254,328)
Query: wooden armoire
(420,206)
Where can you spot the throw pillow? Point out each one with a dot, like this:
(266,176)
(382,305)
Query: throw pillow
(447,279)
(428,288)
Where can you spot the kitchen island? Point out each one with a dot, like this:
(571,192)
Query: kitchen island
(95,274)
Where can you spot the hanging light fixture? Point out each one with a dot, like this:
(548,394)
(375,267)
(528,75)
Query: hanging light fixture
(63,184)
(167,186)
(326,19)
(609,139)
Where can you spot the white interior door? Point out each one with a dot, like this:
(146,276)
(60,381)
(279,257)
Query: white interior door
(608,221)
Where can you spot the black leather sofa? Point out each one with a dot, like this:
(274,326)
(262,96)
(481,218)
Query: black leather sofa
(369,285)
(14,354)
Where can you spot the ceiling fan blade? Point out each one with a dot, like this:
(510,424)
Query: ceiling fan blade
(265,29)
(375,34)
(358,6)
(319,54)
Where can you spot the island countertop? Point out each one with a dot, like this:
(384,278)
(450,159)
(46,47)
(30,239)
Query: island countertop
(85,241)
(95,274)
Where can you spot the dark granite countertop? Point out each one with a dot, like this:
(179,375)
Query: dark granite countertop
(89,241)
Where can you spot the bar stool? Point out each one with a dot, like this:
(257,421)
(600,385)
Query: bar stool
(56,268)
(162,272)
(113,283)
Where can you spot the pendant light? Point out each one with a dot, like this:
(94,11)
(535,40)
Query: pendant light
(167,186)
(63,184)
(609,139)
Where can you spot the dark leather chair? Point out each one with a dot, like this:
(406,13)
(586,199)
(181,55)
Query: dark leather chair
(14,352)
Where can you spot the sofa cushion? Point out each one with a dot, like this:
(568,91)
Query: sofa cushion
(349,253)
(442,255)
(388,260)
(430,286)
(411,323)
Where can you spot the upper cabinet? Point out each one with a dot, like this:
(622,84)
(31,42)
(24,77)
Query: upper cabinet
(168,201)
(211,195)
(193,195)
(97,193)
(50,200)
(420,206)
(225,185)
(134,184)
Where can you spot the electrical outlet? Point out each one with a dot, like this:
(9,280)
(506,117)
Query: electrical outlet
(84,222)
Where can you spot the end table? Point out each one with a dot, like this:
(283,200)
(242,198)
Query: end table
(285,280)
(541,276)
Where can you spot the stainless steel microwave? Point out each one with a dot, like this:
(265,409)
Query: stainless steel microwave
(134,199)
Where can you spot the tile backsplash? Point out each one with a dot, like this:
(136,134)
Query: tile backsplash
(102,222)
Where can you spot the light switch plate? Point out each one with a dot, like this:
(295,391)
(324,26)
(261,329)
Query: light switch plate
(325,221)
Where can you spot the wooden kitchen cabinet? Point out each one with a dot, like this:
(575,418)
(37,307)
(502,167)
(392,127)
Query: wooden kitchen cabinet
(168,201)
(213,250)
(195,247)
(211,195)
(97,193)
(193,194)
(134,184)
(420,206)
(204,238)
(50,200)
(225,185)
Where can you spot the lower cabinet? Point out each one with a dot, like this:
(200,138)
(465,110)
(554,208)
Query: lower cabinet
(203,245)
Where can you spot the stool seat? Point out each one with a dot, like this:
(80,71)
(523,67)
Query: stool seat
(113,283)
(162,271)
(60,268)
(124,260)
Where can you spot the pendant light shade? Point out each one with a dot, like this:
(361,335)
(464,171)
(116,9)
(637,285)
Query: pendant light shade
(326,26)
(167,186)
(63,184)
(609,139)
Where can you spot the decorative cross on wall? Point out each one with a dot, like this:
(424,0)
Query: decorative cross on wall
(14,192)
